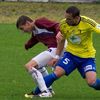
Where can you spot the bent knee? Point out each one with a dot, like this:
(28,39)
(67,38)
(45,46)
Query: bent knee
(91,81)
(91,77)
(30,65)
(59,71)
(26,65)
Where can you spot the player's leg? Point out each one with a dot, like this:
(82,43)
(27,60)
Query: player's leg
(36,75)
(46,57)
(39,61)
(44,72)
(64,66)
(49,79)
(92,80)
(42,59)
(88,71)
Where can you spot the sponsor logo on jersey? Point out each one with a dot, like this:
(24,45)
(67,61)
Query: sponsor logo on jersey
(75,39)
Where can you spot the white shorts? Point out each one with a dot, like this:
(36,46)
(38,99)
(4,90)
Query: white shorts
(44,57)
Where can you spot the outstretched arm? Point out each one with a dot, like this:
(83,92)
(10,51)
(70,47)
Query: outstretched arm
(30,43)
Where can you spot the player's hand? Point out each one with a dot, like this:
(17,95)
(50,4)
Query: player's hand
(52,62)
(26,47)
(59,36)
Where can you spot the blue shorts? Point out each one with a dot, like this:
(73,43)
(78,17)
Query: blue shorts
(70,62)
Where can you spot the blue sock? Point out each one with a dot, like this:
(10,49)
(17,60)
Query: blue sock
(96,85)
(49,79)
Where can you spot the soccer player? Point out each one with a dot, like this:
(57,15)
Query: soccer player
(42,30)
(80,53)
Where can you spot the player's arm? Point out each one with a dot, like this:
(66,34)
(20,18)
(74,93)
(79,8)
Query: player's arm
(97,28)
(60,47)
(60,43)
(31,42)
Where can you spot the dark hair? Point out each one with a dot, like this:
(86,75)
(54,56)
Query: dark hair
(73,10)
(22,20)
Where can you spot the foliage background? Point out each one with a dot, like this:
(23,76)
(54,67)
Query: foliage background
(10,11)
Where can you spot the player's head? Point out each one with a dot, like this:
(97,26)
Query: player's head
(72,15)
(24,23)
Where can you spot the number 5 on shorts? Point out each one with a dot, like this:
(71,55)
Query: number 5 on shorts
(66,60)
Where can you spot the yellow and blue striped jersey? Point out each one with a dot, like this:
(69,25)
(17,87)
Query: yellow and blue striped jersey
(79,37)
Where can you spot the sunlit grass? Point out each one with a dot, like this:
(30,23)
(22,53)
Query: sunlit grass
(10,11)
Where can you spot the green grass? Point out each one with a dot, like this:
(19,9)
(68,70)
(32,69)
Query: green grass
(14,80)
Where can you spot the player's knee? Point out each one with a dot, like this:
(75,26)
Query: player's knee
(59,71)
(91,81)
(91,77)
(28,66)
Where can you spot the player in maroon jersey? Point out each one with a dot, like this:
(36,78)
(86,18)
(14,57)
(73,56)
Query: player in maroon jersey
(44,31)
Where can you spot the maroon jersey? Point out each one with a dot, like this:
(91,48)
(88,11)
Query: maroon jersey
(45,32)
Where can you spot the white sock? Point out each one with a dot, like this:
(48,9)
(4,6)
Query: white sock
(44,72)
(37,76)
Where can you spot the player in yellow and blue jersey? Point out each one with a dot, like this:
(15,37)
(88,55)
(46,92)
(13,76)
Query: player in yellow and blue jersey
(80,53)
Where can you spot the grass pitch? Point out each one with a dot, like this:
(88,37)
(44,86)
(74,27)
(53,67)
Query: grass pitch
(15,81)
